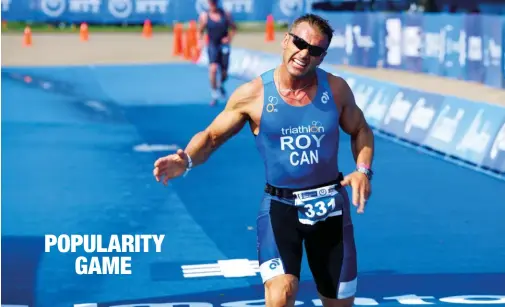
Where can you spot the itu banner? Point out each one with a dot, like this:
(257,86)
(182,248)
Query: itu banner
(136,11)
(458,46)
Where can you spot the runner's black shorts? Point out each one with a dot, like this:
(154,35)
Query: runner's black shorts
(329,245)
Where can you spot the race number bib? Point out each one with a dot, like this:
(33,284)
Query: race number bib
(318,204)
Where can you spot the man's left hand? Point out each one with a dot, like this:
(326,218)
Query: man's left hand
(226,40)
(361,189)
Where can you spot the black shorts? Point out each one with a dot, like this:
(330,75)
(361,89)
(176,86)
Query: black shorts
(329,245)
(219,54)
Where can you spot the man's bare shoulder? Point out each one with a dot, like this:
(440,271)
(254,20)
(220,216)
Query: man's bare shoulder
(340,89)
(246,95)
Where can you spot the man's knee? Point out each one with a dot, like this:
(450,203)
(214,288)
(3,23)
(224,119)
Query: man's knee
(213,68)
(281,291)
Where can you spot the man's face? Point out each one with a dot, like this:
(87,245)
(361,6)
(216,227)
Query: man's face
(298,61)
(212,4)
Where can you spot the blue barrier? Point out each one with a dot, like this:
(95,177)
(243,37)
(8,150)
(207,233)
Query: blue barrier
(463,130)
(459,46)
(136,11)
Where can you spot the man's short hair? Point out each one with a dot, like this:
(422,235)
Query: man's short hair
(317,21)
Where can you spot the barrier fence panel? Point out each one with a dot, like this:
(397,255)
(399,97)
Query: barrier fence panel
(458,46)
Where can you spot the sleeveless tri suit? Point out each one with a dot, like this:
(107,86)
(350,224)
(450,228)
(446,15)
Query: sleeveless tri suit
(303,201)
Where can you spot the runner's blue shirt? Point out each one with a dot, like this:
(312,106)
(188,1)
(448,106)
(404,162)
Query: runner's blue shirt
(299,145)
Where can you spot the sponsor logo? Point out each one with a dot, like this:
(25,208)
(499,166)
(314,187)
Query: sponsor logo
(412,41)
(84,6)
(53,8)
(120,8)
(445,126)
(477,136)
(393,41)
(291,7)
(475,48)
(498,144)
(272,102)
(420,117)
(233,6)
(325,97)
(377,109)
(398,110)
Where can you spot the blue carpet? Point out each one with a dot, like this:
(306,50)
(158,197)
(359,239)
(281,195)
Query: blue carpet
(69,166)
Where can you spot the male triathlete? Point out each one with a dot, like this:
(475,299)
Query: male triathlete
(295,111)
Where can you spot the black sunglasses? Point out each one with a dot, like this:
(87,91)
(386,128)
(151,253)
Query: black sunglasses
(301,44)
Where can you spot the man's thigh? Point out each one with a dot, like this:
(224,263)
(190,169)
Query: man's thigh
(279,242)
(331,255)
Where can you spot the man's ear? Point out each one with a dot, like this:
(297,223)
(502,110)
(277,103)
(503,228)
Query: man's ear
(284,43)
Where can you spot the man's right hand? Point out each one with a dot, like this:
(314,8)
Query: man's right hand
(171,166)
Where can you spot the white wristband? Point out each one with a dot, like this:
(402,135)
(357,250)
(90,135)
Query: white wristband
(190,165)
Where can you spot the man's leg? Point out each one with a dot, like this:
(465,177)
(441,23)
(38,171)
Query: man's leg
(281,291)
(331,254)
(279,251)
(225,59)
(213,53)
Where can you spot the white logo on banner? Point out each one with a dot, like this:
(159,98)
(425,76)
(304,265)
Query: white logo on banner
(420,117)
(362,41)
(349,39)
(445,127)
(121,8)
(6,5)
(477,136)
(498,144)
(338,41)
(393,41)
(152,6)
(398,110)
(291,7)
(434,45)
(84,6)
(456,46)
(376,109)
(232,6)
(412,42)
(475,48)
(52,8)
(492,53)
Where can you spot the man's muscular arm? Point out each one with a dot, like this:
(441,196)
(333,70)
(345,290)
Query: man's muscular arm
(201,146)
(228,123)
(353,122)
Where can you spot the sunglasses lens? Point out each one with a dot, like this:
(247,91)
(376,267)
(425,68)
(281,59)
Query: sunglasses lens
(300,43)
(315,51)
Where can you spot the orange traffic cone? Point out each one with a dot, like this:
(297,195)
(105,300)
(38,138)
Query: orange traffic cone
(270,29)
(27,37)
(147,32)
(187,45)
(84,32)
(178,33)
